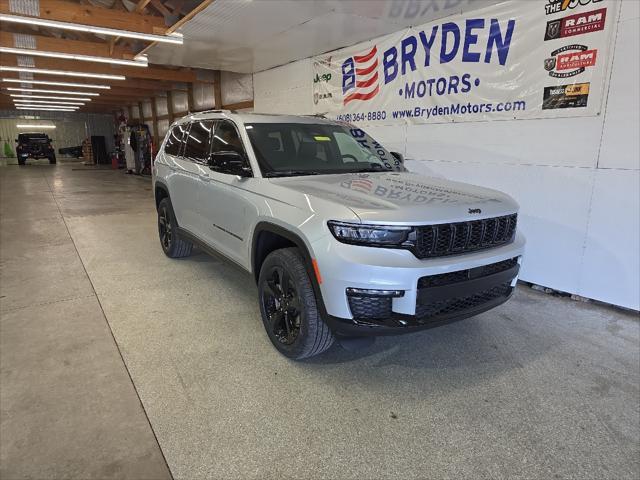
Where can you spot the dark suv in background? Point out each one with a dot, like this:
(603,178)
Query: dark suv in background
(34,145)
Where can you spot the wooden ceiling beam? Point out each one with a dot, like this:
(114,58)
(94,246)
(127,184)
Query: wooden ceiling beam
(95,16)
(142,4)
(152,72)
(74,47)
(132,83)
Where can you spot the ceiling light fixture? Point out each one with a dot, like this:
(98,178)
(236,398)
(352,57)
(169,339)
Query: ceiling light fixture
(58,102)
(65,73)
(35,126)
(38,107)
(175,38)
(63,92)
(47,109)
(141,62)
(50,97)
(57,84)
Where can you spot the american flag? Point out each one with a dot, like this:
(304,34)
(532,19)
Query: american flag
(360,77)
(361,185)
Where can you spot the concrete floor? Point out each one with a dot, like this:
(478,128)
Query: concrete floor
(541,387)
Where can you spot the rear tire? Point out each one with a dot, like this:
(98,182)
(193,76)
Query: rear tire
(172,244)
(52,160)
(289,308)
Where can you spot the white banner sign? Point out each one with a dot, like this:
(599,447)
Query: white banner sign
(514,60)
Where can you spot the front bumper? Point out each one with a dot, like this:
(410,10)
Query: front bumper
(433,292)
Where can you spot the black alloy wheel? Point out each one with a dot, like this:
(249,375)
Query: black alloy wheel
(172,244)
(164,228)
(281,303)
(289,308)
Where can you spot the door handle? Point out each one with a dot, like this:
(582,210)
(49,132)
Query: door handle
(204,176)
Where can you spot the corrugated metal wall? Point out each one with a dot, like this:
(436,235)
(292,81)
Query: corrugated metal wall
(71,128)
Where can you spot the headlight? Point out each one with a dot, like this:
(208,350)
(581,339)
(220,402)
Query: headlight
(374,235)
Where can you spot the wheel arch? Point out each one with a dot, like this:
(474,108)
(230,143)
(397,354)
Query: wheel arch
(160,191)
(268,237)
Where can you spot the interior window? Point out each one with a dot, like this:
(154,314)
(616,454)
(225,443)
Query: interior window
(226,139)
(197,141)
(174,141)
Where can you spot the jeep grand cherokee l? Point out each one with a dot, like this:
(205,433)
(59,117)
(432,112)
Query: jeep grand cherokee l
(341,239)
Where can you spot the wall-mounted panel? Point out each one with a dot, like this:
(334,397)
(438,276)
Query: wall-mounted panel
(566,142)
(180,101)
(285,89)
(236,87)
(161,106)
(146,109)
(620,140)
(163,126)
(203,96)
(612,257)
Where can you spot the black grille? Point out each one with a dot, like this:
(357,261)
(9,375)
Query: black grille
(370,307)
(463,275)
(454,238)
(456,305)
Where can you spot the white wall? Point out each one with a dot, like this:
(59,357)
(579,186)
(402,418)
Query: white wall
(577,179)
(71,128)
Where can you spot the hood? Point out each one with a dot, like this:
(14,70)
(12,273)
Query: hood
(403,197)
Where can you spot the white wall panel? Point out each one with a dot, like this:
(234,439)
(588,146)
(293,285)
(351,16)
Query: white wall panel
(163,126)
(612,253)
(146,109)
(236,87)
(620,141)
(630,9)
(180,101)
(285,89)
(571,142)
(203,96)
(161,106)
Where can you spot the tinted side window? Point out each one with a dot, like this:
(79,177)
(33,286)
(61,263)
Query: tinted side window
(174,141)
(197,141)
(226,138)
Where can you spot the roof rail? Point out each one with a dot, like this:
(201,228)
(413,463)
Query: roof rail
(215,110)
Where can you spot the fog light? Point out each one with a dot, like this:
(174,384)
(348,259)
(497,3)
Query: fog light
(365,292)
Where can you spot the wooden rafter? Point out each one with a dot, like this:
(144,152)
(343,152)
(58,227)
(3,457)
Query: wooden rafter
(76,47)
(90,15)
(152,72)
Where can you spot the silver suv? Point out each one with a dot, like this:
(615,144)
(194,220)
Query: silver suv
(341,239)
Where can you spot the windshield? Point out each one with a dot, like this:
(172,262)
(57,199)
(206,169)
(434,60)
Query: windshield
(286,149)
(33,137)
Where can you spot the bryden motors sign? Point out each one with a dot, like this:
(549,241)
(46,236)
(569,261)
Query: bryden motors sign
(487,65)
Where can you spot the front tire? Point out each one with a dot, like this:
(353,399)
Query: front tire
(289,308)
(172,244)
(52,160)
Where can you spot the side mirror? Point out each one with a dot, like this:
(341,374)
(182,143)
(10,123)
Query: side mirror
(230,162)
(398,156)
